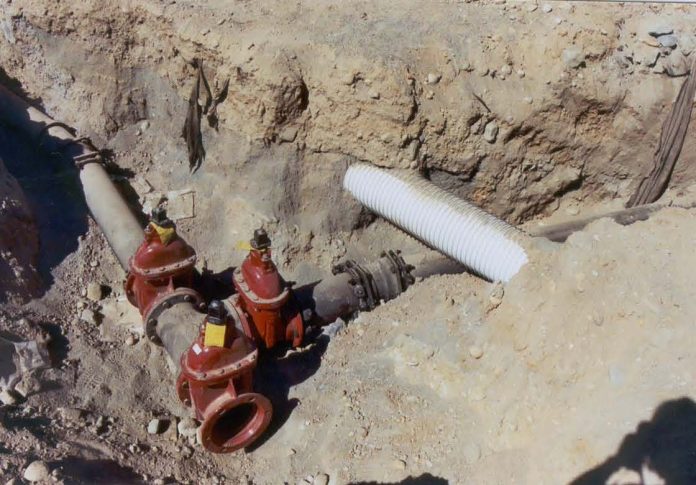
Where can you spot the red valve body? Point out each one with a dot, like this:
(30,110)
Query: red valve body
(157,269)
(268,302)
(217,383)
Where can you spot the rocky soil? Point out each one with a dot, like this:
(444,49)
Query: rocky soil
(529,110)
(19,242)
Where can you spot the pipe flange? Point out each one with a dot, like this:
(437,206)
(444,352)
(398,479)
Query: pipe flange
(400,268)
(163,270)
(216,437)
(222,373)
(363,284)
(259,302)
(180,295)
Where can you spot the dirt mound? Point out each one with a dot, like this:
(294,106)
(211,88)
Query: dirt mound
(535,384)
(521,108)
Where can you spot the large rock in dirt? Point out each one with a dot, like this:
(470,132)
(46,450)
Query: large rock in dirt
(19,243)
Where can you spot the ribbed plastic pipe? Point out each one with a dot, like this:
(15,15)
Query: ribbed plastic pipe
(460,230)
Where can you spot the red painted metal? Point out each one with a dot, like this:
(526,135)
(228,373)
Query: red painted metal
(273,315)
(217,383)
(158,268)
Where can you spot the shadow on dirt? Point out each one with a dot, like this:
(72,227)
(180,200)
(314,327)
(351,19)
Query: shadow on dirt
(16,420)
(278,372)
(52,188)
(425,479)
(666,445)
(83,471)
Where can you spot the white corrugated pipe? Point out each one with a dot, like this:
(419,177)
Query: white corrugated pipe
(462,231)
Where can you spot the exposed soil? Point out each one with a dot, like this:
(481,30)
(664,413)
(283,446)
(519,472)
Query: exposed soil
(579,368)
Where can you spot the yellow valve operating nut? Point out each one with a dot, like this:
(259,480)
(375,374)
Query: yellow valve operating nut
(165,234)
(214,334)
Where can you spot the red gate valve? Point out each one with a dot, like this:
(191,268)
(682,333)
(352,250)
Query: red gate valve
(161,272)
(266,298)
(216,381)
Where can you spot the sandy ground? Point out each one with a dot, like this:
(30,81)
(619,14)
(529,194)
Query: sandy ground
(579,369)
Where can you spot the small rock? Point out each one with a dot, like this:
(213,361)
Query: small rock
(667,41)
(155,426)
(321,479)
(531,7)
(348,78)
(95,291)
(73,415)
(433,78)
(181,204)
(334,328)
(520,73)
(430,95)
(187,427)
(37,471)
(573,57)
(28,385)
(572,210)
(661,29)
(88,316)
(506,69)
(687,44)
(291,452)
(131,340)
(413,150)
(288,134)
(144,125)
(495,297)
(94,263)
(490,133)
(7,397)
(373,94)
(100,425)
(528,99)
(80,305)
(141,186)
(547,8)
(676,65)
(476,352)
(647,56)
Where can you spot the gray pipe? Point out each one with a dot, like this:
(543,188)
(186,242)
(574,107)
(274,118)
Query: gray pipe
(177,327)
(336,296)
(114,217)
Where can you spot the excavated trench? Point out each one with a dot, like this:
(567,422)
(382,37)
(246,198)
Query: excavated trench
(306,100)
